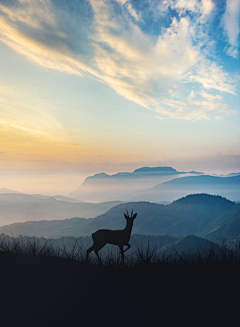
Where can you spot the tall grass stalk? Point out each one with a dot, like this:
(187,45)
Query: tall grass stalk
(215,254)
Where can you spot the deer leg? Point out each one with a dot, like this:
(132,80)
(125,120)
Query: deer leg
(99,259)
(90,250)
(97,248)
(128,247)
(122,252)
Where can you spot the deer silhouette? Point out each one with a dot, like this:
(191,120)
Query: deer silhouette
(117,237)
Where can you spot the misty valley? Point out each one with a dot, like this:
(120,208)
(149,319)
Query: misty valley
(190,209)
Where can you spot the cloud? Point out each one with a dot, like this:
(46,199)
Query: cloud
(201,8)
(217,154)
(24,129)
(45,35)
(107,40)
(231,22)
(20,111)
(210,96)
(183,5)
(211,76)
(133,12)
(207,7)
(198,105)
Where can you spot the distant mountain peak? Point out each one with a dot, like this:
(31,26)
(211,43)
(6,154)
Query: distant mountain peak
(119,186)
(5,190)
(140,172)
(202,198)
(100,175)
(155,169)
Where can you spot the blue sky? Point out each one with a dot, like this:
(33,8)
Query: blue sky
(107,86)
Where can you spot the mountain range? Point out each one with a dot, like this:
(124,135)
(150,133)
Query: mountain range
(228,187)
(104,187)
(23,207)
(155,184)
(5,190)
(203,215)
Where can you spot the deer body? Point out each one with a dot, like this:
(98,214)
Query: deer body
(116,237)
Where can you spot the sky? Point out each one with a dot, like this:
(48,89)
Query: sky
(106,86)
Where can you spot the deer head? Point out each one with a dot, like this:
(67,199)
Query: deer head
(133,216)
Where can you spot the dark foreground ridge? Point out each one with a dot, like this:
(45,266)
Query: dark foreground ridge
(51,291)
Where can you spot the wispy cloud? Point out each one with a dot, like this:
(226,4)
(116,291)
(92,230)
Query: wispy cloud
(201,105)
(231,22)
(46,35)
(20,111)
(107,40)
(24,129)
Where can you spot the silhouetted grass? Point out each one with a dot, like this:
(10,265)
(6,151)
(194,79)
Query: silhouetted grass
(216,254)
(27,246)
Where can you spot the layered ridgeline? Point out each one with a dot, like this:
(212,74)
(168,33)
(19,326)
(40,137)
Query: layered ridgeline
(228,187)
(23,207)
(104,187)
(5,190)
(203,215)
(156,184)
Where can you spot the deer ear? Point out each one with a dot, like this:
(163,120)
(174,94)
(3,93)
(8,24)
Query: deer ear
(134,216)
(125,216)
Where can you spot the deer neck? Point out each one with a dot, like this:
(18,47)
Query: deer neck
(128,228)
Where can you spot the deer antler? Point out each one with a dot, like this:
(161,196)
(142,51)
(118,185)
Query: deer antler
(132,213)
(127,213)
